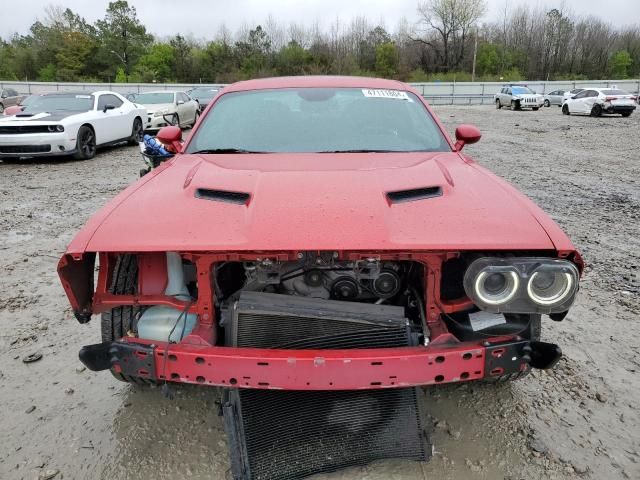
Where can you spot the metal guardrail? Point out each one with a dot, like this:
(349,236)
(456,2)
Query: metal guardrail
(437,93)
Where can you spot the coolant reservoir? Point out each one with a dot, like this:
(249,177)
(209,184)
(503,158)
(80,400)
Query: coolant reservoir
(157,322)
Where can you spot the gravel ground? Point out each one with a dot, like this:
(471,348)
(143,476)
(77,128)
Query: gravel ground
(581,420)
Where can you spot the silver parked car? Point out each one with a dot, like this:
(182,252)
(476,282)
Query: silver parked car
(8,98)
(518,97)
(554,98)
(166,107)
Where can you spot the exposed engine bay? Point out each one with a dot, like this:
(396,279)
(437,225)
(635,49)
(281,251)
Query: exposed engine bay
(399,283)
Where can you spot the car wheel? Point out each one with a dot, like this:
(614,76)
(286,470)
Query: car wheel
(175,120)
(565,110)
(498,105)
(137,131)
(119,321)
(547,103)
(514,105)
(1,109)
(596,110)
(626,114)
(85,144)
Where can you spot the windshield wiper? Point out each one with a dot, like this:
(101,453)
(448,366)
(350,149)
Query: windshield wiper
(362,150)
(226,150)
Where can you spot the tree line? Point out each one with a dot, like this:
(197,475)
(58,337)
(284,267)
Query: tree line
(447,40)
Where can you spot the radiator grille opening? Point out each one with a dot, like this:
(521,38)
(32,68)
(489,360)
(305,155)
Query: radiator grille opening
(286,435)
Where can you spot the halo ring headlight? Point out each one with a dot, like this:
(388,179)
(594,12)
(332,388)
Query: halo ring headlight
(553,292)
(503,294)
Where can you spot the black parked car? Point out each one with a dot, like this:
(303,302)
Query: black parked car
(203,95)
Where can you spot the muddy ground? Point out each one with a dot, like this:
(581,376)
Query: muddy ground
(581,420)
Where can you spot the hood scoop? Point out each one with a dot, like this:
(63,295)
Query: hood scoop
(239,198)
(411,195)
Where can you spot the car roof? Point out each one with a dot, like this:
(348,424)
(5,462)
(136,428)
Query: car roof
(162,91)
(317,81)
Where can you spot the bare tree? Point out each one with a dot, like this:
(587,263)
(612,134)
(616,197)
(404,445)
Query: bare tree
(447,24)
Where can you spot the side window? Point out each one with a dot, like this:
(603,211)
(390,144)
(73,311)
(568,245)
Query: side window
(108,99)
(503,90)
(11,92)
(508,92)
(582,94)
(185,97)
(592,93)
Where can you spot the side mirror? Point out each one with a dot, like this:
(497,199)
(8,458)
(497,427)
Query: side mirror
(171,136)
(466,134)
(4,95)
(108,106)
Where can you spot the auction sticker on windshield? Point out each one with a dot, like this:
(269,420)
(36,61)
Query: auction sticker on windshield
(395,94)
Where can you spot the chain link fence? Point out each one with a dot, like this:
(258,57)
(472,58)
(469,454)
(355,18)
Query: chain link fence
(436,93)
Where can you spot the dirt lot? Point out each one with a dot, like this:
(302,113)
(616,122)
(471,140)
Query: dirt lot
(581,420)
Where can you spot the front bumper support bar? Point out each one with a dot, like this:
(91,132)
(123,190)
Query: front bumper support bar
(317,369)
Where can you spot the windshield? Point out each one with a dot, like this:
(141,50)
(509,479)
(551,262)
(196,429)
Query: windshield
(154,98)
(29,100)
(56,103)
(521,90)
(318,120)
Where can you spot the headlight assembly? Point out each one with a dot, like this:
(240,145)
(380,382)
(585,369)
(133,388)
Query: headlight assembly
(55,128)
(521,285)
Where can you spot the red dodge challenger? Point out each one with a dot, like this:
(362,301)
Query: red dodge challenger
(320,234)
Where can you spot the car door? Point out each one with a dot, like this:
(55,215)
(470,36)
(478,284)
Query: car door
(184,108)
(578,103)
(111,119)
(589,100)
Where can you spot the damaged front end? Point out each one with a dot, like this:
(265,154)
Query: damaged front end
(199,317)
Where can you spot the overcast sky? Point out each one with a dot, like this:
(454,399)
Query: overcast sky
(201,18)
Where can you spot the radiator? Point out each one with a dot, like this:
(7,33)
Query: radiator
(286,435)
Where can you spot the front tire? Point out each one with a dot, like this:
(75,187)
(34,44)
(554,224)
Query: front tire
(175,120)
(565,110)
(515,105)
(498,104)
(547,103)
(137,132)
(626,114)
(1,109)
(85,143)
(119,321)
(596,110)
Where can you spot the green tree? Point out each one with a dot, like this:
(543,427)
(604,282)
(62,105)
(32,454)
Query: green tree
(488,60)
(620,63)
(157,63)
(183,59)
(387,59)
(254,51)
(292,59)
(124,39)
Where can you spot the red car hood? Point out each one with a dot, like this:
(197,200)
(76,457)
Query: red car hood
(319,202)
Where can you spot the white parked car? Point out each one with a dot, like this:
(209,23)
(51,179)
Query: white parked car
(596,101)
(70,123)
(168,108)
(570,93)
